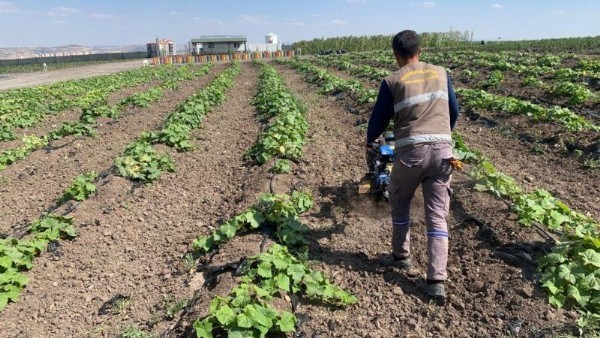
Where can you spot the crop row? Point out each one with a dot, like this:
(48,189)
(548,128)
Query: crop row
(573,83)
(571,272)
(17,253)
(95,110)
(140,162)
(23,108)
(248,310)
(521,62)
(484,100)
(283,137)
(329,83)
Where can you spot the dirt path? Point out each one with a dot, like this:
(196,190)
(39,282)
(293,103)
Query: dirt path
(12,81)
(29,186)
(132,243)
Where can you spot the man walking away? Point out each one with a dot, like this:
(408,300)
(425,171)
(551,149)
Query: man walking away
(421,100)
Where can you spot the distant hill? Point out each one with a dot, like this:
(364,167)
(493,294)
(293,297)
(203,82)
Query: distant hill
(31,52)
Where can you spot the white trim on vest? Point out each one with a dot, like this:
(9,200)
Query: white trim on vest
(425,138)
(411,101)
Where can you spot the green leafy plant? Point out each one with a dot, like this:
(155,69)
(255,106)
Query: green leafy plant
(532,81)
(494,79)
(329,83)
(91,113)
(281,166)
(481,99)
(71,128)
(11,156)
(143,99)
(470,73)
(140,162)
(571,272)
(577,93)
(188,116)
(134,332)
(284,136)
(279,270)
(16,256)
(7,133)
(277,210)
(247,311)
(81,189)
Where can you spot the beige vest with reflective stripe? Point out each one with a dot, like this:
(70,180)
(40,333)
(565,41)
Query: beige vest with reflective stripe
(421,113)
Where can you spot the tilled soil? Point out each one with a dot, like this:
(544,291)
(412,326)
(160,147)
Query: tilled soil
(53,121)
(131,240)
(506,140)
(30,185)
(487,297)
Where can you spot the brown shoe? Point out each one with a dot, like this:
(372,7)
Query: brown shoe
(404,264)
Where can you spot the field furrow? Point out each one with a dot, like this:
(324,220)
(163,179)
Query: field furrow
(351,232)
(31,185)
(131,242)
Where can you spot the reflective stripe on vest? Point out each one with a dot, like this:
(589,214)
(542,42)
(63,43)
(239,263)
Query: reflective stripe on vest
(426,138)
(411,101)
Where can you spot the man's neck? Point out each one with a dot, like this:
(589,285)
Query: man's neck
(409,61)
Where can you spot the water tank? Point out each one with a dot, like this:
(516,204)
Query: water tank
(271,38)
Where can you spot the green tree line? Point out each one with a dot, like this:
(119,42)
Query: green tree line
(382,41)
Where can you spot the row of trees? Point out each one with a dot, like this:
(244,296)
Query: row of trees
(378,42)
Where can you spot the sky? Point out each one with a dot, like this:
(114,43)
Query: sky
(36,23)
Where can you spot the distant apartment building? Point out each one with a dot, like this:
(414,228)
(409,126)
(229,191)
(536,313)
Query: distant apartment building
(162,47)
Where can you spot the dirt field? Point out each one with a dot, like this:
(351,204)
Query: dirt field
(131,240)
(10,81)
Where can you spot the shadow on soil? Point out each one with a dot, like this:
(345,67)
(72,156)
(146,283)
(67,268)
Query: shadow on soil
(343,199)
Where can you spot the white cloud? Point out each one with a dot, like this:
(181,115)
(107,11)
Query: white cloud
(59,22)
(356,1)
(497,6)
(255,19)
(7,7)
(559,12)
(174,13)
(294,22)
(338,22)
(63,11)
(102,16)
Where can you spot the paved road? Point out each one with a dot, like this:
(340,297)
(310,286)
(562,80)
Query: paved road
(10,81)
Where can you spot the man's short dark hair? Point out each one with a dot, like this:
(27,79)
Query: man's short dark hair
(406,43)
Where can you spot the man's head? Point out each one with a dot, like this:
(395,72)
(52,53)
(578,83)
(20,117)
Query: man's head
(406,46)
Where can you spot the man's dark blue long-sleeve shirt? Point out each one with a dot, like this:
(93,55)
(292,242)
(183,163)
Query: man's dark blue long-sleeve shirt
(383,111)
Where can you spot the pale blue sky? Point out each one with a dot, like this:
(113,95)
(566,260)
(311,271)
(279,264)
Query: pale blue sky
(111,22)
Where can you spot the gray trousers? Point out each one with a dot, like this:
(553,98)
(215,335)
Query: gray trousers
(425,164)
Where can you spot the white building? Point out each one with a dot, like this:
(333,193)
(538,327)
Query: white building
(226,44)
(218,44)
